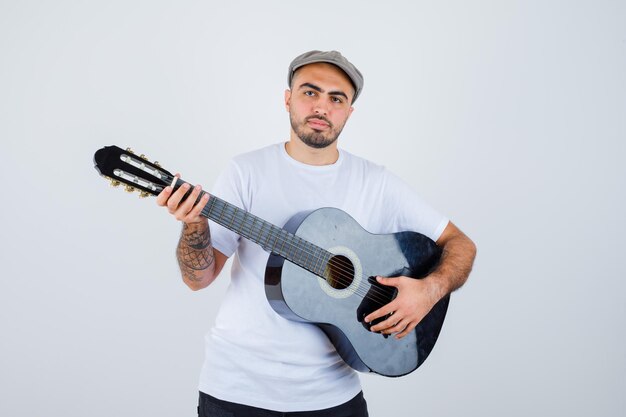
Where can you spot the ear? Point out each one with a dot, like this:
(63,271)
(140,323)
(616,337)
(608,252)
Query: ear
(287,99)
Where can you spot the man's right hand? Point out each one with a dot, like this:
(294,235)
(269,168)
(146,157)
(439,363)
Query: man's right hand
(184,210)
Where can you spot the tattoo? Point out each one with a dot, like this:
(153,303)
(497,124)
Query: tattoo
(194,251)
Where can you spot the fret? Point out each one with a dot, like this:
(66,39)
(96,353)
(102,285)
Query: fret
(263,245)
(317,258)
(282,248)
(286,243)
(290,246)
(294,246)
(252,228)
(323,262)
(274,244)
(222,213)
(261,233)
(308,257)
(243,223)
(300,252)
(268,237)
(210,206)
(305,252)
(256,235)
(230,225)
(327,258)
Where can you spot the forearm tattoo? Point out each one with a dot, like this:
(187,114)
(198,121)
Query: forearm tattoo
(194,251)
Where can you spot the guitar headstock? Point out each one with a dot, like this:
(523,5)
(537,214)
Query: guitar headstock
(136,172)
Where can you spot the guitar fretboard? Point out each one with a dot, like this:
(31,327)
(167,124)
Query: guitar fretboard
(271,238)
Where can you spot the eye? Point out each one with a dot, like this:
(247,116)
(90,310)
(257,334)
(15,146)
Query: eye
(309,93)
(336,100)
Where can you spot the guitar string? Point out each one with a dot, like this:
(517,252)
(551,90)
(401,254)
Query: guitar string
(241,217)
(375,295)
(345,269)
(243,222)
(381,295)
(246,222)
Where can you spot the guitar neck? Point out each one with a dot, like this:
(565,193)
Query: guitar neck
(271,238)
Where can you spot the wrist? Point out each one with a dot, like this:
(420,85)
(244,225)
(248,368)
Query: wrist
(437,284)
(196,225)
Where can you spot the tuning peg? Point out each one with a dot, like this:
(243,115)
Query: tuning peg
(156,163)
(130,151)
(144,157)
(129,189)
(144,194)
(115,183)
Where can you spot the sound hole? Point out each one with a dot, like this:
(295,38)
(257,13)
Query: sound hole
(339,272)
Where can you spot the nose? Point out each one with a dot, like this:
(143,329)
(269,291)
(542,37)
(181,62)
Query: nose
(321,107)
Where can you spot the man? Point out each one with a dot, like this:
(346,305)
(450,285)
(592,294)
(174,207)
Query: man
(258,363)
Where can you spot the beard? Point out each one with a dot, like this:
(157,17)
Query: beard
(315,138)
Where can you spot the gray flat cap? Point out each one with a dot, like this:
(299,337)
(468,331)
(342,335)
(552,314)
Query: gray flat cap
(329,57)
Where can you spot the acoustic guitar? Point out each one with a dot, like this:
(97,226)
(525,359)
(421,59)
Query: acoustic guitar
(321,268)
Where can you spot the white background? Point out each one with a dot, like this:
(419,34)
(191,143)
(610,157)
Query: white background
(508,116)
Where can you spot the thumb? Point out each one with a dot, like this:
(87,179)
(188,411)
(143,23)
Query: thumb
(393,282)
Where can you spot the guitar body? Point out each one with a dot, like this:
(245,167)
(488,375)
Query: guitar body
(339,307)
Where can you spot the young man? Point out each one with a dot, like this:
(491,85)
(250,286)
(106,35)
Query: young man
(257,362)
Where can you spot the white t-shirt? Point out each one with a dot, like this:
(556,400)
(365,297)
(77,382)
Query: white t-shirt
(253,355)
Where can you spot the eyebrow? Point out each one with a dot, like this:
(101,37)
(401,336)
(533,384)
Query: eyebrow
(318,89)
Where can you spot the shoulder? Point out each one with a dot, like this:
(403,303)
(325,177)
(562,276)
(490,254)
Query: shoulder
(374,177)
(247,163)
(256,156)
(367,168)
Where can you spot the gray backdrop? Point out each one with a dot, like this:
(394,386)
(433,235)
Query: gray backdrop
(508,116)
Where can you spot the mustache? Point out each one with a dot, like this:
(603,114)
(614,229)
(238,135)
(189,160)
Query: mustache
(319,118)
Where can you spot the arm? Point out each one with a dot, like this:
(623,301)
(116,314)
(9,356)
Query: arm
(417,296)
(199,262)
(456,261)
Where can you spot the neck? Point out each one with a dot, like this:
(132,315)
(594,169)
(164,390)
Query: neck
(301,152)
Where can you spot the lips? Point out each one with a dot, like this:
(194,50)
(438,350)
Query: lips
(317,123)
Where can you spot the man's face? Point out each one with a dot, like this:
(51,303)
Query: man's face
(319,103)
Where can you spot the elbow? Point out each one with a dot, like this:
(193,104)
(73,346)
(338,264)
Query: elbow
(472,248)
(193,286)
(197,285)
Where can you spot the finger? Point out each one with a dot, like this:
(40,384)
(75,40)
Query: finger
(392,282)
(407,330)
(385,325)
(396,328)
(190,201)
(197,210)
(381,312)
(163,196)
(174,200)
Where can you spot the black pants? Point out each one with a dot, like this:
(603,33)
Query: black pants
(212,407)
